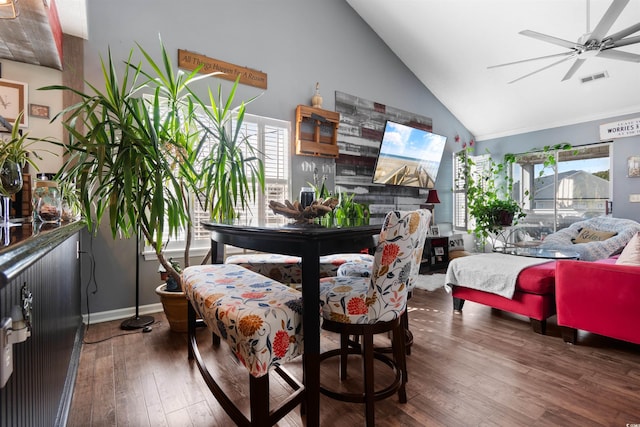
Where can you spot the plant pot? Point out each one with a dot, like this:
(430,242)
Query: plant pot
(504,218)
(175,308)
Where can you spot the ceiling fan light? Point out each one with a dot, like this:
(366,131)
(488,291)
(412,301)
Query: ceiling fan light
(8,9)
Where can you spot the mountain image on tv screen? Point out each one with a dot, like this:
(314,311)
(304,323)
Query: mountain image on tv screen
(408,156)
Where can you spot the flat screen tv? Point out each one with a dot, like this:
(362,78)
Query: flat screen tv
(408,156)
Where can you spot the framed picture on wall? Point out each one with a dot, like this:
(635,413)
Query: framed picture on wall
(36,110)
(13,100)
(633,163)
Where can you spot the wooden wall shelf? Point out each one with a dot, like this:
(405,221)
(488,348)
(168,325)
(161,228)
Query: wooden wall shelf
(316,132)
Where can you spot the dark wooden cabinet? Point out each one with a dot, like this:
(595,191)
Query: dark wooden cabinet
(436,254)
(45,262)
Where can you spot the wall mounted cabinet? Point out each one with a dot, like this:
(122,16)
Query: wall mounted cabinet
(316,132)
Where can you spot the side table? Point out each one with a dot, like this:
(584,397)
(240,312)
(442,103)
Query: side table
(435,255)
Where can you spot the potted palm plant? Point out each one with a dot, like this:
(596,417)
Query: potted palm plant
(146,148)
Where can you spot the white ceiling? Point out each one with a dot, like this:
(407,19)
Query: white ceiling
(448,45)
(73,17)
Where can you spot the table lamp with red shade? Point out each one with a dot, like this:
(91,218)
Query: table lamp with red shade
(432,199)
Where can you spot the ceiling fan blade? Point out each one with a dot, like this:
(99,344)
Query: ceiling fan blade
(530,59)
(572,55)
(627,41)
(623,42)
(549,39)
(577,64)
(615,38)
(619,55)
(608,19)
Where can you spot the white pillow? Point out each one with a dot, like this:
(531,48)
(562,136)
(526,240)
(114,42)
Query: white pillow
(631,253)
(456,243)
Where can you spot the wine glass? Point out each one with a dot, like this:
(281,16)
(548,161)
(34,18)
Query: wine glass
(10,183)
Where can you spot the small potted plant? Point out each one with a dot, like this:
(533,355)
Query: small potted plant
(16,147)
(15,153)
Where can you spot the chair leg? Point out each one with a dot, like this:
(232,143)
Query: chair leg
(344,355)
(259,397)
(408,335)
(399,354)
(404,320)
(366,350)
(369,387)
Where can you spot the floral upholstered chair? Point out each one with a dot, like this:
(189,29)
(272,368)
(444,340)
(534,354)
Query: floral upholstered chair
(364,306)
(364,267)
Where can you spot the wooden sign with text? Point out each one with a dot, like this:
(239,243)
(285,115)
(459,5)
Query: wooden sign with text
(190,61)
(620,129)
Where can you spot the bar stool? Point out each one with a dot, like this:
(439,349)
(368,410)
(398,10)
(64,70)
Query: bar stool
(366,306)
(364,269)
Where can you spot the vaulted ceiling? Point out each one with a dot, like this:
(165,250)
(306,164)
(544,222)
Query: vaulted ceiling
(448,45)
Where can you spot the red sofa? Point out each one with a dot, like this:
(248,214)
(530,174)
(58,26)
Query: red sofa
(599,297)
(533,297)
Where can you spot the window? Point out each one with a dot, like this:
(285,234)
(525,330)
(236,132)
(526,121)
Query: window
(271,137)
(461,219)
(575,188)
(554,196)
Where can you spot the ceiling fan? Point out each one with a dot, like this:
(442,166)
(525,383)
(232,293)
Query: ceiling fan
(593,43)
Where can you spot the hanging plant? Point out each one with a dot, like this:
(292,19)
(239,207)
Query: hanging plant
(489,200)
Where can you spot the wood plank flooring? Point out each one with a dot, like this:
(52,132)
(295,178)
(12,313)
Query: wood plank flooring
(479,368)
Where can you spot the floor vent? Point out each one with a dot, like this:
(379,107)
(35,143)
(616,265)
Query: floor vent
(593,77)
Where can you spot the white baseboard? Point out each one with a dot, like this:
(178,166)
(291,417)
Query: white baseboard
(122,313)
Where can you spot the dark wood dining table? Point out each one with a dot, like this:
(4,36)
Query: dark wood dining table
(309,241)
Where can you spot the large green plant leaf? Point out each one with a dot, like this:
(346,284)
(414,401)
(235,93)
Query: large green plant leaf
(138,151)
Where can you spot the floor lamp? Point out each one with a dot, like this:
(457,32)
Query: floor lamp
(137,321)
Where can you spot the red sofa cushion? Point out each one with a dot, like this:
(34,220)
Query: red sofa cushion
(599,297)
(538,279)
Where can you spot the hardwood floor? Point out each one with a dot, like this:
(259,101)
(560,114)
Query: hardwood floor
(483,367)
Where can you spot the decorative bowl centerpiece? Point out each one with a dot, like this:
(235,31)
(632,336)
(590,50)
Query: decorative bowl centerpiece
(317,208)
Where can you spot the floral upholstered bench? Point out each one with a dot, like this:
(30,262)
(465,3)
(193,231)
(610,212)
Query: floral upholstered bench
(261,321)
(288,269)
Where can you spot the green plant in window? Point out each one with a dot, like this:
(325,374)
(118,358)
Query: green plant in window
(549,155)
(489,200)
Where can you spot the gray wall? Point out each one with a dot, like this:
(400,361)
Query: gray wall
(297,43)
(581,134)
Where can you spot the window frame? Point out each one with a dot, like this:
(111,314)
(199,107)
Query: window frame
(573,153)
(200,245)
(460,213)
